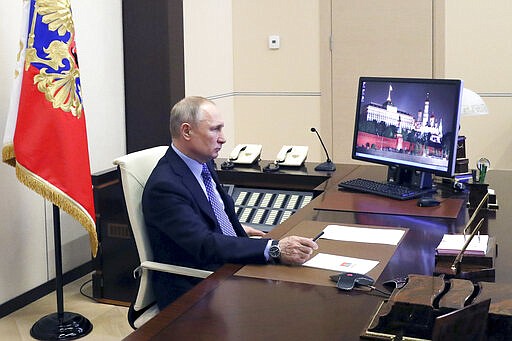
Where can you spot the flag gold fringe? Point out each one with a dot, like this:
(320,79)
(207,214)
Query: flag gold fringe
(60,199)
(8,155)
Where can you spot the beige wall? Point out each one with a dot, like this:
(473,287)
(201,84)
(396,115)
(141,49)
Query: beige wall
(270,97)
(277,91)
(208,48)
(479,50)
(394,40)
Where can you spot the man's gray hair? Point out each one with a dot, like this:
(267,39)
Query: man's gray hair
(188,110)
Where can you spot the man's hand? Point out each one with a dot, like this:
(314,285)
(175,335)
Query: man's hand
(252,232)
(296,250)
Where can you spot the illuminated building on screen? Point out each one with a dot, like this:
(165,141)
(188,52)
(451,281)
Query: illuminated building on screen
(423,123)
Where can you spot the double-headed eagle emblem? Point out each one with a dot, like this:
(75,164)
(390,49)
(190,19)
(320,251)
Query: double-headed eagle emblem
(59,77)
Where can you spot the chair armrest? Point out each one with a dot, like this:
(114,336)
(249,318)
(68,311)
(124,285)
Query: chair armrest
(174,269)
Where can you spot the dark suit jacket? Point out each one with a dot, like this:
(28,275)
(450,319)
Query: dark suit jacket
(183,230)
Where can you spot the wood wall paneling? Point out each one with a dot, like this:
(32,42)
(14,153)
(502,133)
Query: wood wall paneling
(154,71)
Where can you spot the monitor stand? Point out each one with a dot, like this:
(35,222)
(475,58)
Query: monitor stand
(410,177)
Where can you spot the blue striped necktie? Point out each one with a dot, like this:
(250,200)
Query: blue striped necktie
(220,214)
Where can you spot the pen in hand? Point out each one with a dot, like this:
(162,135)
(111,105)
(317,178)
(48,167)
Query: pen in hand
(318,236)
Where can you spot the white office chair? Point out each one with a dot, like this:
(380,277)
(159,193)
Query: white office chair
(135,169)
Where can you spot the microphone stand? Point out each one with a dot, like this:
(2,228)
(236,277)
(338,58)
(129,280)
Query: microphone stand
(327,166)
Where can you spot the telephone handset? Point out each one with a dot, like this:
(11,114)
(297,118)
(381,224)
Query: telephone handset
(292,155)
(245,153)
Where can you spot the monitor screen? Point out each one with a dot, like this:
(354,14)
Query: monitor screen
(408,122)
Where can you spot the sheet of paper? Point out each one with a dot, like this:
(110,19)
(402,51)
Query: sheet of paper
(341,263)
(363,234)
(453,243)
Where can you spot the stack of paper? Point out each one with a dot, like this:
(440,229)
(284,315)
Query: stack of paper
(452,245)
(363,234)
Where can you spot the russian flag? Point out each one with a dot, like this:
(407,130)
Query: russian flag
(45,136)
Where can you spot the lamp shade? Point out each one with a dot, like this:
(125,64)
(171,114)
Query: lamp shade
(472,104)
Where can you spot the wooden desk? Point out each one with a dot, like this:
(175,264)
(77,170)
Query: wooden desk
(228,307)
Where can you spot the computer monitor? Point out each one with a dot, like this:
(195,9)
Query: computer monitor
(410,125)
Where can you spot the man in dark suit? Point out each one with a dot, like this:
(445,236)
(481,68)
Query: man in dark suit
(184,226)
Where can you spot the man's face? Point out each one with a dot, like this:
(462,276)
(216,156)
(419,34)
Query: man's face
(207,138)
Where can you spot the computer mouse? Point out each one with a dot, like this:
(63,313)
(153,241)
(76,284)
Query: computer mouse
(428,202)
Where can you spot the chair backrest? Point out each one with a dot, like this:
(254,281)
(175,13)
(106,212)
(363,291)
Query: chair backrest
(135,169)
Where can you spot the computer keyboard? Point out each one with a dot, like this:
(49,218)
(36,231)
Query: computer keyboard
(390,190)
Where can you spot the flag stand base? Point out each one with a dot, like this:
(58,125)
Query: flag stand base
(70,326)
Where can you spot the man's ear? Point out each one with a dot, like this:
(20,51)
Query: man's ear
(186,131)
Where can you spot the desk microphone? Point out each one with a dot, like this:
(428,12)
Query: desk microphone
(327,166)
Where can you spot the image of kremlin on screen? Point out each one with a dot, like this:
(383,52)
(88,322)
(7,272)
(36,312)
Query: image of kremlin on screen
(398,121)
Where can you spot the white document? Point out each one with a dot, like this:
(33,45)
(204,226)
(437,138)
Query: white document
(363,234)
(452,244)
(341,263)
